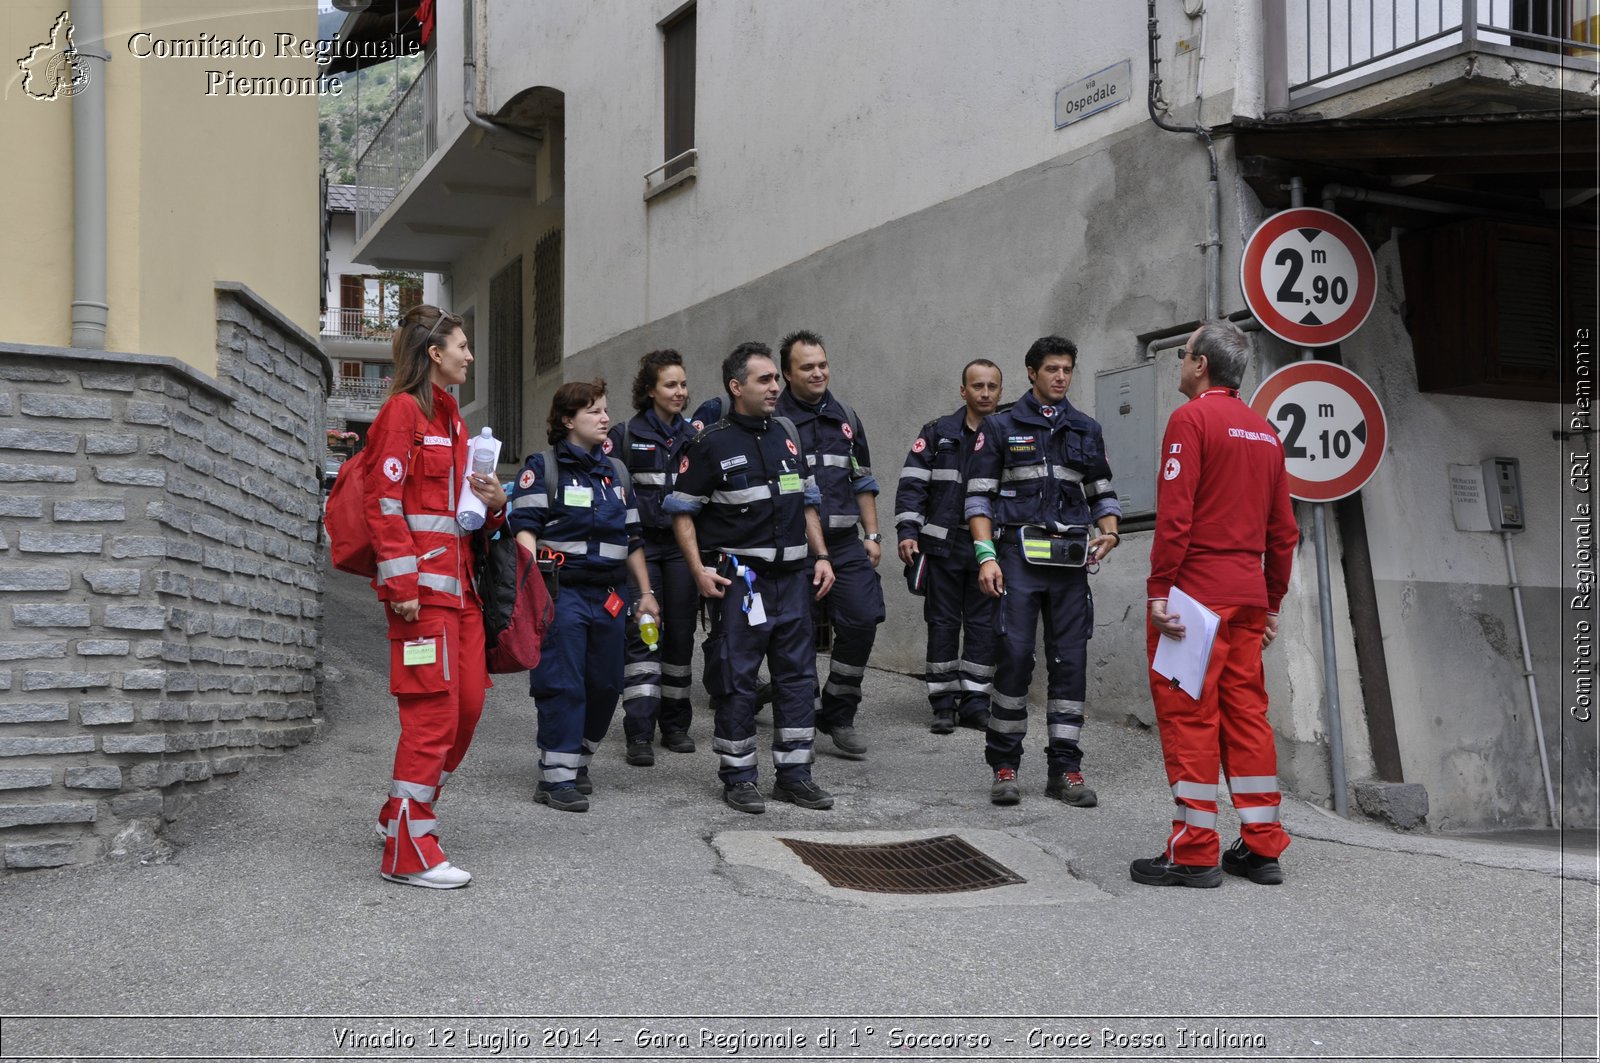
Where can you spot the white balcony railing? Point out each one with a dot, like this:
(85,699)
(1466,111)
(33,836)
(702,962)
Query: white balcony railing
(357,395)
(1341,43)
(355,325)
(408,137)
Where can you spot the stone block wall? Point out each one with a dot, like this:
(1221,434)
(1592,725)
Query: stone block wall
(160,578)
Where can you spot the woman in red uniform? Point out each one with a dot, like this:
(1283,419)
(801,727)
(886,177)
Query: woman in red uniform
(425,564)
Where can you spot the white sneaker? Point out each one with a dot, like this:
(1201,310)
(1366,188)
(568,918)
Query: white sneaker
(441,876)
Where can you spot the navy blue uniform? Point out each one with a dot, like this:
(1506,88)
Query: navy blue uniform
(1044,466)
(930,508)
(581,512)
(744,481)
(656,683)
(838,456)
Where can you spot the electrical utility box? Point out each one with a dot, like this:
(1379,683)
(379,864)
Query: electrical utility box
(1502,484)
(1125,406)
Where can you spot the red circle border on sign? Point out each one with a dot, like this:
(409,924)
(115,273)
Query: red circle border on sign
(1371,411)
(1255,296)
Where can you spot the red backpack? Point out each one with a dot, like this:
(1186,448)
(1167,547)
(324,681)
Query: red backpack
(349,538)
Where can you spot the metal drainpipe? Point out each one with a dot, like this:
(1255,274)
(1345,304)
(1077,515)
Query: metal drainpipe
(90,309)
(469,76)
(1275,55)
(1213,243)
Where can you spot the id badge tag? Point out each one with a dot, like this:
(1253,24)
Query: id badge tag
(614,604)
(577,497)
(789,483)
(755,611)
(420,651)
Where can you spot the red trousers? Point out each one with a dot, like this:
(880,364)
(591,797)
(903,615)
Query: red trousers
(437,672)
(1228,723)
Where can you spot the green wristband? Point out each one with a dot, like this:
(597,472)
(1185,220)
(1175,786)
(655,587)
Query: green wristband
(984,549)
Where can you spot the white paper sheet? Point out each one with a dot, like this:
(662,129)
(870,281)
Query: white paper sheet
(1185,659)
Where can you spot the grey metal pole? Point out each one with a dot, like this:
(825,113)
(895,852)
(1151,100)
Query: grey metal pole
(1528,676)
(1330,657)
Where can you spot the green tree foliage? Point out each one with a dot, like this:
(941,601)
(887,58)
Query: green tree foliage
(350,120)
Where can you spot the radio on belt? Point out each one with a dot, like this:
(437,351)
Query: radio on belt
(1067,549)
(1502,481)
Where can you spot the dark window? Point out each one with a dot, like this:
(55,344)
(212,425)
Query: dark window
(677,50)
(1492,306)
(547,302)
(505,357)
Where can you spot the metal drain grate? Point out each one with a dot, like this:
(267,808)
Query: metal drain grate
(929,865)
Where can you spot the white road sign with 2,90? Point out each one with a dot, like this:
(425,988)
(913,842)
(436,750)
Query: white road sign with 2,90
(1308,276)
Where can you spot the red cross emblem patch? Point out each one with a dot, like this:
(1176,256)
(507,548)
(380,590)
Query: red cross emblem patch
(919,446)
(525,481)
(849,433)
(792,448)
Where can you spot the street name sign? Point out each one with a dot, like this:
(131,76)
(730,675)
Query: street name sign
(1093,94)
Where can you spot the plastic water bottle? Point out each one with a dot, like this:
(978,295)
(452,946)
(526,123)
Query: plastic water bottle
(649,632)
(483,454)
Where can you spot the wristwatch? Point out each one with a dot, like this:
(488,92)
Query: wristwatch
(874,537)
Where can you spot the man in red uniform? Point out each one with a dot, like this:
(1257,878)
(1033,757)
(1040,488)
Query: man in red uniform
(1225,534)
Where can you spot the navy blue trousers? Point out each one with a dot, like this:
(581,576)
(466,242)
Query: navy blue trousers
(1062,597)
(655,685)
(855,609)
(962,623)
(785,643)
(575,686)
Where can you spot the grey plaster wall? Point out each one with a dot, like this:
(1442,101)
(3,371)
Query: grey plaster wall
(1101,245)
(1465,721)
(160,578)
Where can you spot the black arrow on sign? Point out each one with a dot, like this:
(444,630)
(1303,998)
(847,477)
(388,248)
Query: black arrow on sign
(1310,319)
(1310,234)
(1360,431)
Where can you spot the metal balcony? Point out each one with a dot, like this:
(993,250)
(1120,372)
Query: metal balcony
(407,138)
(1338,46)
(357,398)
(355,325)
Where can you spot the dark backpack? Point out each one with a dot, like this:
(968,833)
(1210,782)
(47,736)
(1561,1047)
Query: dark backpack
(517,609)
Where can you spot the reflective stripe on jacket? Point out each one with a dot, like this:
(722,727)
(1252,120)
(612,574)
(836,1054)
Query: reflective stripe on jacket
(1040,465)
(413,487)
(836,454)
(582,512)
(930,501)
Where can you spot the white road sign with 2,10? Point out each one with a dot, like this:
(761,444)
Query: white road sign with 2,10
(1331,424)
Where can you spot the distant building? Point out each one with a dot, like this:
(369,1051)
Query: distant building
(360,306)
(924,182)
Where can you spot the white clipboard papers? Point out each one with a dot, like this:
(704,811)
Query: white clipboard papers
(1184,660)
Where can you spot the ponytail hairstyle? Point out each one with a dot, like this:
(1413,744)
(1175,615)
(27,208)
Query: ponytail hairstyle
(421,327)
